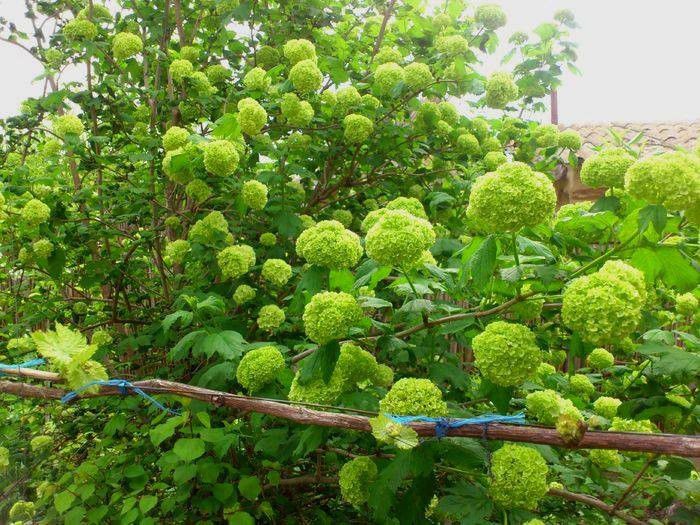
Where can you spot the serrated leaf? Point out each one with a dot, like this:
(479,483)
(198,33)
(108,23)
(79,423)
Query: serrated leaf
(483,262)
(386,430)
(181,349)
(320,364)
(189,449)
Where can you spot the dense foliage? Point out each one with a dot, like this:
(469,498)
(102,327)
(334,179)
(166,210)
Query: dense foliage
(234,184)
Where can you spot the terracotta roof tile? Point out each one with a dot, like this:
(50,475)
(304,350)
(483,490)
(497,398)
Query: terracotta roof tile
(658,136)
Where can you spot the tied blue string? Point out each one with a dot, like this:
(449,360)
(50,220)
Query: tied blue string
(27,364)
(124,389)
(444,424)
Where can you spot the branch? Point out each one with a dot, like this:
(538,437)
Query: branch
(598,504)
(382,29)
(680,445)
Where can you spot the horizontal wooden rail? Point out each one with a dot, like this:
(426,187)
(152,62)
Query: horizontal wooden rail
(679,445)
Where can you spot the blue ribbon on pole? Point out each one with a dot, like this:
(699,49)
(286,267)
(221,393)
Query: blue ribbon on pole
(27,364)
(444,424)
(124,388)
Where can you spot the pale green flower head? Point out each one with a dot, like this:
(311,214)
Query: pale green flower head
(399,239)
(606,406)
(330,245)
(298,113)
(180,69)
(306,77)
(413,397)
(355,479)
(329,316)
(500,90)
(257,79)
(506,353)
(606,169)
(295,51)
(235,261)
(221,157)
(79,29)
(270,317)
(125,45)
(600,359)
(518,477)
(175,137)
(254,194)
(387,76)
(510,198)
(252,117)
(418,75)
(259,367)
(276,272)
(68,125)
(357,128)
(35,213)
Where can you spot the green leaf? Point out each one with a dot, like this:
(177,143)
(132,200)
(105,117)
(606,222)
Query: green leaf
(654,214)
(320,364)
(374,302)
(63,501)
(342,280)
(223,492)
(227,127)
(241,518)
(161,432)
(189,449)
(386,430)
(182,315)
(146,503)
(668,264)
(249,487)
(181,349)
(671,361)
(483,262)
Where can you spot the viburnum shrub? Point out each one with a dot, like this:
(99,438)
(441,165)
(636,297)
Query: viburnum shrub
(331,211)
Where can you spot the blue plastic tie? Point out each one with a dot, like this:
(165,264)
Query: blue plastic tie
(444,424)
(27,364)
(124,388)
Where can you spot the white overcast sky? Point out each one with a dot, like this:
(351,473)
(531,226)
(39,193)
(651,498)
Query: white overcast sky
(639,59)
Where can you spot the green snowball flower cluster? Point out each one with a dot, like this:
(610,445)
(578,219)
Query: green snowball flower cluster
(306,77)
(605,459)
(384,376)
(252,117)
(306,221)
(35,212)
(211,228)
(295,51)
(602,308)
(643,426)
(126,45)
(413,397)
(176,251)
(388,54)
(298,113)
(99,13)
(270,317)
(343,216)
(243,294)
(67,125)
(448,113)
(506,353)
(276,271)
(570,139)
(670,179)
(606,406)
(491,144)
(4,458)
(268,57)
(78,29)
(330,245)
(686,304)
(518,477)
(600,359)
(217,74)
(43,248)
(50,148)
(22,511)
(268,239)
(606,169)
(580,384)
(220,157)
(235,261)
(329,316)
(546,135)
(257,79)
(180,69)
(259,367)
(500,90)
(357,128)
(491,16)
(452,45)
(354,367)
(493,159)
(512,197)
(534,521)
(190,53)
(176,137)
(101,338)
(546,406)
(399,238)
(53,57)
(355,479)
(418,75)
(254,194)
(347,98)
(199,84)
(387,76)
(198,190)
(468,144)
